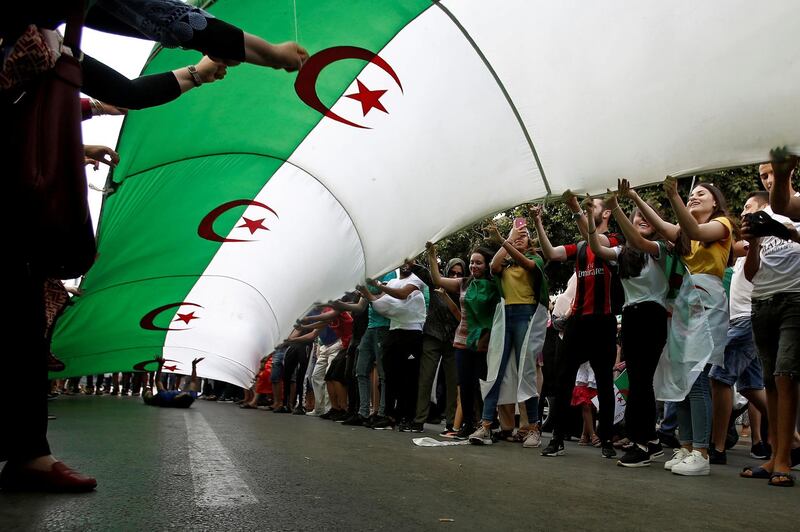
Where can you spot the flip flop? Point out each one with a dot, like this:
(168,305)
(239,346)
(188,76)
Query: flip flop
(755,472)
(786,482)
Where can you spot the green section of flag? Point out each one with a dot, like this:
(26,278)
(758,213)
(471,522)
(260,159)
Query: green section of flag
(215,144)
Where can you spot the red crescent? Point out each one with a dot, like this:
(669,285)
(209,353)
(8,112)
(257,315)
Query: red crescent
(206,228)
(147,320)
(306,83)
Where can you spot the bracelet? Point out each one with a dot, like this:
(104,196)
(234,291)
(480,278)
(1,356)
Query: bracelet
(97,107)
(196,79)
(593,232)
(619,208)
(577,215)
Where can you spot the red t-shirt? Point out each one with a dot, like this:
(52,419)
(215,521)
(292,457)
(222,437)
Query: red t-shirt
(593,292)
(343,327)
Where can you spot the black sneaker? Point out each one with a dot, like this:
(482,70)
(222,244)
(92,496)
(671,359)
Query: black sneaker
(607,450)
(463,433)
(371,420)
(448,432)
(329,414)
(761,451)
(416,427)
(554,448)
(383,423)
(341,416)
(635,457)
(354,420)
(299,411)
(404,426)
(717,457)
(655,450)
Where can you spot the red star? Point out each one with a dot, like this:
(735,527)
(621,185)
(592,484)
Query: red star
(253,225)
(186,318)
(171,368)
(368,98)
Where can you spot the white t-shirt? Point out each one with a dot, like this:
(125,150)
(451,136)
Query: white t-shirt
(741,291)
(411,312)
(651,284)
(780,264)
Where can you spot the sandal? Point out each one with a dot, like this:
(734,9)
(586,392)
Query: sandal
(781,479)
(755,472)
(246,405)
(584,441)
(596,441)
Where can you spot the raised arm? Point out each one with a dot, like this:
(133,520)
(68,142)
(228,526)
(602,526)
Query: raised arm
(159,386)
(780,195)
(578,215)
(355,308)
(558,254)
(710,231)
(666,229)
(397,293)
(599,248)
(451,285)
(632,236)
(194,384)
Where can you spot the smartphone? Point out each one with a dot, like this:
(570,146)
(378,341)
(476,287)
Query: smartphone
(520,223)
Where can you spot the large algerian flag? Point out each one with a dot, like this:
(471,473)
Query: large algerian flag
(241,203)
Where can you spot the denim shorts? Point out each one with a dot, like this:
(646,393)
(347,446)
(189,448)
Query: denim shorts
(277,366)
(776,329)
(742,365)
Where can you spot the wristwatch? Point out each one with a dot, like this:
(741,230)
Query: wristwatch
(576,215)
(195,76)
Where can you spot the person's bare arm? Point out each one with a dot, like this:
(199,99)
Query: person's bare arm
(159,386)
(508,248)
(454,310)
(579,216)
(752,261)
(194,384)
(355,308)
(451,285)
(632,236)
(559,253)
(710,231)
(397,293)
(781,198)
(666,229)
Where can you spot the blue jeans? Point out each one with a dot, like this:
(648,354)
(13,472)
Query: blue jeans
(370,351)
(694,414)
(518,318)
(670,421)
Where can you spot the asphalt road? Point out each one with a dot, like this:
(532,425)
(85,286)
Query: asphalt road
(218,467)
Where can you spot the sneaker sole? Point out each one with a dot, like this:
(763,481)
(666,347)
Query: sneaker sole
(562,452)
(703,473)
(532,446)
(634,464)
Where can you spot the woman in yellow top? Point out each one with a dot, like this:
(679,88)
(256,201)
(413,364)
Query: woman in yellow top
(703,237)
(520,272)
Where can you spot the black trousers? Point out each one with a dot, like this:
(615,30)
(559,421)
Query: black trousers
(592,338)
(350,378)
(295,365)
(402,354)
(23,401)
(644,333)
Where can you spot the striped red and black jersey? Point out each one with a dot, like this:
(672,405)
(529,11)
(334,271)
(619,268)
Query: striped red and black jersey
(595,279)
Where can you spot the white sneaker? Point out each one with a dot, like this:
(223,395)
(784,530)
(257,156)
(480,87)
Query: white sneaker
(482,436)
(694,465)
(678,456)
(533,439)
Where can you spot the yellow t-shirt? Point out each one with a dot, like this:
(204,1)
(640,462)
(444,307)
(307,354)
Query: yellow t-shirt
(714,258)
(517,284)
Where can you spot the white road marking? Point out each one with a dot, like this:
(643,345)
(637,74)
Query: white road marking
(216,480)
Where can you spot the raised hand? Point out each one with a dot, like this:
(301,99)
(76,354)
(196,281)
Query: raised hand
(493,233)
(624,189)
(670,187)
(783,162)
(196,361)
(536,212)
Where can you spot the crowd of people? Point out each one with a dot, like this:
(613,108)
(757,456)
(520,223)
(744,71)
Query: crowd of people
(469,342)
(483,331)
